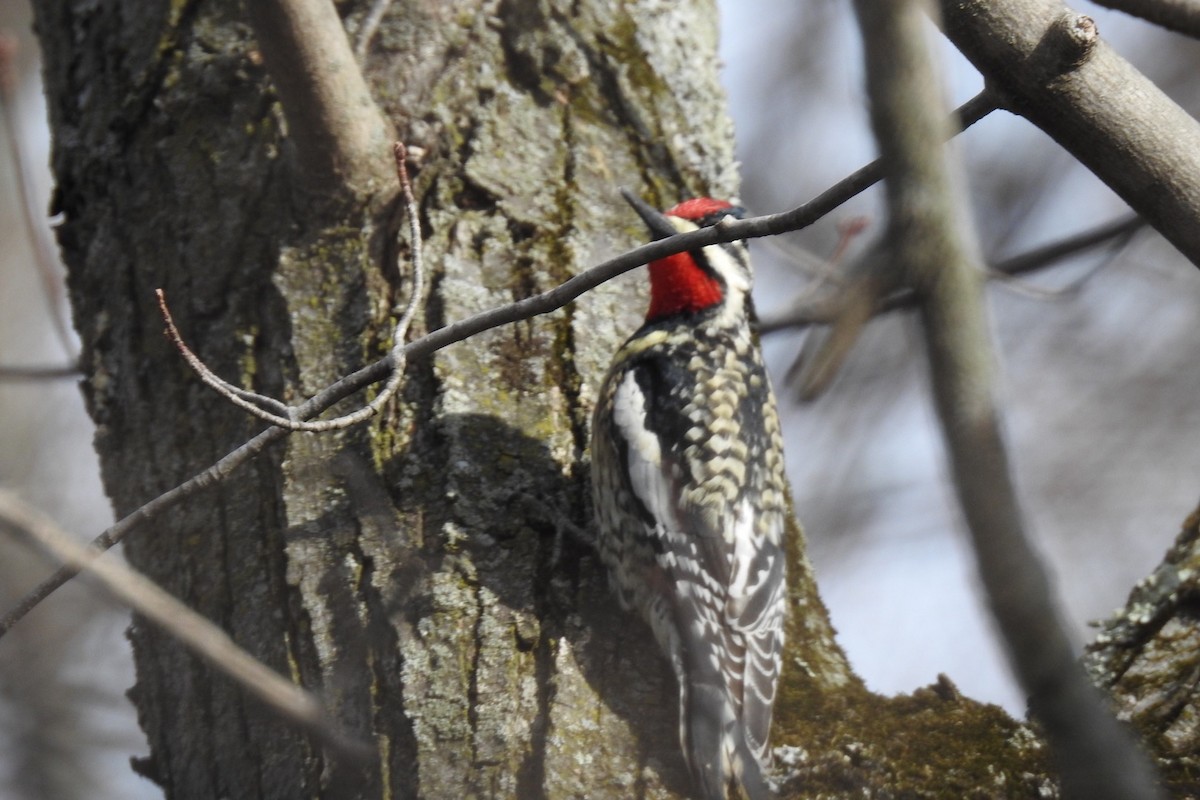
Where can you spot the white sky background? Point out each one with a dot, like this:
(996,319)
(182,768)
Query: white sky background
(1100,389)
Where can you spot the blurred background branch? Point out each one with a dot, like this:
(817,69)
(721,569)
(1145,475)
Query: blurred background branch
(931,246)
(285,698)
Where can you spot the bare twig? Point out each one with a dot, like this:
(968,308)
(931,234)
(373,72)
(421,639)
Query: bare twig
(809,310)
(44,257)
(203,637)
(150,511)
(336,125)
(368,27)
(277,413)
(12,373)
(551,300)
(848,231)
(1115,233)
(934,249)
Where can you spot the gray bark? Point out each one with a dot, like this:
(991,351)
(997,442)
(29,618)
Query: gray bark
(414,572)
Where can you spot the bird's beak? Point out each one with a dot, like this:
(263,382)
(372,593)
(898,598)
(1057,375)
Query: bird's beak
(658,224)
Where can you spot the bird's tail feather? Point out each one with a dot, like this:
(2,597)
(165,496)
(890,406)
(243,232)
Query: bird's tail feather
(714,740)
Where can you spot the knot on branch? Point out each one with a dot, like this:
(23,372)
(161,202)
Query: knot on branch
(1066,45)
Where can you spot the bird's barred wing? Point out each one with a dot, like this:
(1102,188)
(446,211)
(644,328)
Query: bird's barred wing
(754,616)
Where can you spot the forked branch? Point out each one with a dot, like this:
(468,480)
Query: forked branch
(1051,66)
(278,413)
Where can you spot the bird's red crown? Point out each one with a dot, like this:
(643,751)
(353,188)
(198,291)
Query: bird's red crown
(698,208)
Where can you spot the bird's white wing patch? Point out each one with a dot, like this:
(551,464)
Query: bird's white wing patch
(647,473)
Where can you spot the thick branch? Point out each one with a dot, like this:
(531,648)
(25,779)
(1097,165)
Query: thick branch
(338,130)
(1096,757)
(1050,66)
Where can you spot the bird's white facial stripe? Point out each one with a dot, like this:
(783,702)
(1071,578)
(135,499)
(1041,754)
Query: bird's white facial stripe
(735,275)
(683,225)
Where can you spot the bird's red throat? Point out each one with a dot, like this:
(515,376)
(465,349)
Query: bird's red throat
(678,285)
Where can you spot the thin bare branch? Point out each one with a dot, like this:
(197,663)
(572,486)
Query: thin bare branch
(40,373)
(368,27)
(205,639)
(934,249)
(242,398)
(44,257)
(336,125)
(1116,234)
(551,300)
(147,513)
(808,309)
(277,413)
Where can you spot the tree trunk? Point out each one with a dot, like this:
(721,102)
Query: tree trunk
(413,572)
(416,571)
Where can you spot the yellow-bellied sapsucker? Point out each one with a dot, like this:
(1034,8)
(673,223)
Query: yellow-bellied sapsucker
(691,499)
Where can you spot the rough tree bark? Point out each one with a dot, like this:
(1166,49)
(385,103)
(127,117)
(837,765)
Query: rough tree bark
(415,571)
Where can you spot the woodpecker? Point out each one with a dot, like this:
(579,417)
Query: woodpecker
(691,498)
